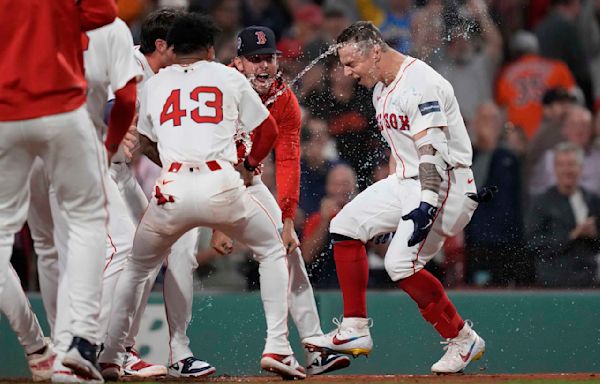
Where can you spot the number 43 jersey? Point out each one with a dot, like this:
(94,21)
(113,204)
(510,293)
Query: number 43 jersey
(193,111)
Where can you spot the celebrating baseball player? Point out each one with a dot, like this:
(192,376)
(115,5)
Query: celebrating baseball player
(187,121)
(257,60)
(42,113)
(430,197)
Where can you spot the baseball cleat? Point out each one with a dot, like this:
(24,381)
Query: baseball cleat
(191,367)
(62,374)
(285,366)
(81,359)
(320,363)
(111,372)
(460,351)
(352,337)
(135,366)
(41,362)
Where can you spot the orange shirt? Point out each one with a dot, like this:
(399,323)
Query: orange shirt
(522,84)
(41,60)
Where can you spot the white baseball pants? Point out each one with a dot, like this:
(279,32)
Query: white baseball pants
(380,207)
(192,197)
(68,144)
(179,279)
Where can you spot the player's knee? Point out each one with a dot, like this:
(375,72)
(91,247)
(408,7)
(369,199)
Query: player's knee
(399,269)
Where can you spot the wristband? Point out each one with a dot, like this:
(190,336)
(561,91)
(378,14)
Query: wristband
(430,197)
(249,167)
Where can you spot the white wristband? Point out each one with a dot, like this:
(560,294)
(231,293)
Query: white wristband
(430,197)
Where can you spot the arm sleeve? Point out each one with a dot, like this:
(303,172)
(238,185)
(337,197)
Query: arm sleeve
(252,112)
(287,156)
(96,13)
(121,115)
(145,126)
(123,66)
(425,108)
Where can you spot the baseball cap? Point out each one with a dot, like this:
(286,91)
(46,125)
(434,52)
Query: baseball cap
(256,40)
(554,95)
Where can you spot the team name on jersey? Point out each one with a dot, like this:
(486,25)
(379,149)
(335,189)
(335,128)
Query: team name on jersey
(393,121)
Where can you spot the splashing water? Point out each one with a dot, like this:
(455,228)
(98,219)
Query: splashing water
(331,50)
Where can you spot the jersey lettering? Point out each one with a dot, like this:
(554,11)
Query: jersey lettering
(216,104)
(393,121)
(172,108)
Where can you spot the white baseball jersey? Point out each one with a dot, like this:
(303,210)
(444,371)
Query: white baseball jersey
(419,98)
(192,112)
(109,61)
(143,66)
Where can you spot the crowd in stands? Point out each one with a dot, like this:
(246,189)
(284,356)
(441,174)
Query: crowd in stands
(527,78)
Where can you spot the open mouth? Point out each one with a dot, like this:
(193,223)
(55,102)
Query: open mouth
(262,78)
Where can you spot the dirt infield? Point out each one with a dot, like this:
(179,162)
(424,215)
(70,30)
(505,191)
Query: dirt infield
(541,378)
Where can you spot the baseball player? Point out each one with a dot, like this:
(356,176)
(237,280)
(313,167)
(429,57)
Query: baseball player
(187,121)
(109,61)
(430,197)
(42,114)
(257,60)
(152,55)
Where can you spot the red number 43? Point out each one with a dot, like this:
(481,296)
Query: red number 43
(172,108)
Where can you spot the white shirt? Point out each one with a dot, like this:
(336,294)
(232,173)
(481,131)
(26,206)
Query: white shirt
(579,206)
(193,111)
(419,98)
(109,63)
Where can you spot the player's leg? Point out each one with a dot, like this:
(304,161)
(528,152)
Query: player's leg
(14,304)
(157,231)
(76,167)
(253,226)
(15,163)
(374,211)
(39,219)
(302,305)
(405,265)
(178,290)
(130,189)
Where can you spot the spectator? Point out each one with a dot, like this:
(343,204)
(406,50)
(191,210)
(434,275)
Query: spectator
(523,82)
(427,31)
(227,16)
(589,34)
(348,110)
(556,103)
(494,235)
(394,21)
(577,129)
(469,68)
(268,13)
(336,18)
(316,248)
(314,165)
(559,39)
(562,225)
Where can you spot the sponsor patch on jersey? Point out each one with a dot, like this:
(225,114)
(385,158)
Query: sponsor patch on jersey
(428,107)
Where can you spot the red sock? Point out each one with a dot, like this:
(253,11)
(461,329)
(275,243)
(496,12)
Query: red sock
(353,274)
(434,304)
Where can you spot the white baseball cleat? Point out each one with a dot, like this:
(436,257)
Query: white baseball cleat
(319,363)
(285,366)
(136,367)
(191,367)
(41,363)
(111,371)
(62,374)
(460,351)
(352,337)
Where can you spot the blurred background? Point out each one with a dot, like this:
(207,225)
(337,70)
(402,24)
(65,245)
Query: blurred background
(526,74)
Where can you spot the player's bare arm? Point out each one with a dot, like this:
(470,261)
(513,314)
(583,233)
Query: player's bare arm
(428,174)
(150,149)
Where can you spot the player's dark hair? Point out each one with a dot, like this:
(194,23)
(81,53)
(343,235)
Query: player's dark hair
(155,26)
(361,31)
(192,32)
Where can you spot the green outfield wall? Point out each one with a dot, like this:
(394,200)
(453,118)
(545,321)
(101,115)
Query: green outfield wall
(525,331)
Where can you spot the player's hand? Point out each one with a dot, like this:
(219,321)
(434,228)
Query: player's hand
(247,176)
(289,236)
(130,142)
(422,217)
(221,243)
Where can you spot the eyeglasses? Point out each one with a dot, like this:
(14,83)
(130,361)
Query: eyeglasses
(256,59)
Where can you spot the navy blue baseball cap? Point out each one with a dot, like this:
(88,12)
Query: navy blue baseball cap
(256,40)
